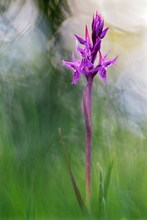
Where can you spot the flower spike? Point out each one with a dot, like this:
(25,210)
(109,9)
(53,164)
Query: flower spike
(90,50)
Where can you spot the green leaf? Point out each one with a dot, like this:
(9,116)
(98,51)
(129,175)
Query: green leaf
(73,181)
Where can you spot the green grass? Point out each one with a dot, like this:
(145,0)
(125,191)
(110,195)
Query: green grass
(35,182)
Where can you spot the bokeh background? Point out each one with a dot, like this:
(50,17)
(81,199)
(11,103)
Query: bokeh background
(37,98)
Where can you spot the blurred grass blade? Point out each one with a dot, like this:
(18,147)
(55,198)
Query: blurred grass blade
(74,184)
(102,202)
(103,188)
(78,194)
(107,179)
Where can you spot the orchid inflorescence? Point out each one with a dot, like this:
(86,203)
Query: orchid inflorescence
(91,50)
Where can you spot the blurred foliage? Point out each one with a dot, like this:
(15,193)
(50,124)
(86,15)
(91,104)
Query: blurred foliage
(55,11)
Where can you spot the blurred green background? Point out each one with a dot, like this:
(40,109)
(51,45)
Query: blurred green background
(36,99)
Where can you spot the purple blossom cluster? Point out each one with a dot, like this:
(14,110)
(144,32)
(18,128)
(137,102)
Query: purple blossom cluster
(92,61)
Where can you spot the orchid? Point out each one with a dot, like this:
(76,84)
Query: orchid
(91,49)
(91,63)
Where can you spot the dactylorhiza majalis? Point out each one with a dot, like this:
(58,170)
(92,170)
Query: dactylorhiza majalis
(92,62)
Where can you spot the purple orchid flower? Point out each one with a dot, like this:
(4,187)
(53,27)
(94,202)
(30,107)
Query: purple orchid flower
(89,52)
(88,67)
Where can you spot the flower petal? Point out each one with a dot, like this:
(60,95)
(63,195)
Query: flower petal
(76,77)
(96,48)
(110,62)
(104,57)
(80,50)
(91,71)
(70,65)
(80,39)
(87,37)
(102,73)
(104,32)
